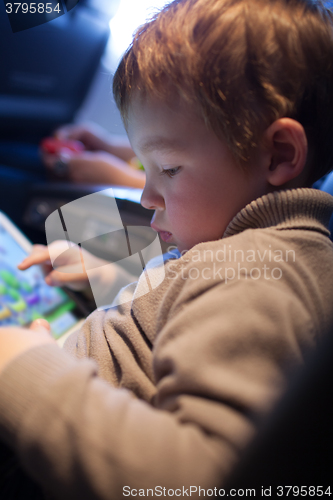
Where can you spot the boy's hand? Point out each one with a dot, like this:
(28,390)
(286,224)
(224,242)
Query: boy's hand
(61,277)
(15,341)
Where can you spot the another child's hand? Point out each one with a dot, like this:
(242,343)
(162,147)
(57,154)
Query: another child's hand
(69,274)
(94,137)
(96,168)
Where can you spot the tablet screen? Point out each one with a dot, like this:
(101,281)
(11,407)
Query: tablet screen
(24,295)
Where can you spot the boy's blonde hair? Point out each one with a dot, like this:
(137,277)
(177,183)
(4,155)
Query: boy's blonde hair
(242,64)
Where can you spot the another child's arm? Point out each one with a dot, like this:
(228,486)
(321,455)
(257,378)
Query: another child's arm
(106,159)
(95,138)
(98,168)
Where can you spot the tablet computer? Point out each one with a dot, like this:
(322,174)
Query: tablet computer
(24,295)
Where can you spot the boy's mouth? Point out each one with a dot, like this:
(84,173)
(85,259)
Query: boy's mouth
(165,235)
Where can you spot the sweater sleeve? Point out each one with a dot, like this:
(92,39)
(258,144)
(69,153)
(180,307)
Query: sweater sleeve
(82,438)
(119,347)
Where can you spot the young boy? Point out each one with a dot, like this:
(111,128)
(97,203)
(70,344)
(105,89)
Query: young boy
(228,104)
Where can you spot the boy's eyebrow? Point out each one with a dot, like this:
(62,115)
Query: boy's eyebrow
(160,143)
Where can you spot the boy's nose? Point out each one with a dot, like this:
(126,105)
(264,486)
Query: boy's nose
(151,199)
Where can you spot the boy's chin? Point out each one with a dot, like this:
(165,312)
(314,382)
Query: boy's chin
(176,246)
(182,249)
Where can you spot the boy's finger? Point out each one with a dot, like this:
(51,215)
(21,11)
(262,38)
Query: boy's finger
(37,248)
(56,278)
(52,279)
(41,325)
(39,257)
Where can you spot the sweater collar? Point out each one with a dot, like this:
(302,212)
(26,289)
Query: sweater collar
(301,208)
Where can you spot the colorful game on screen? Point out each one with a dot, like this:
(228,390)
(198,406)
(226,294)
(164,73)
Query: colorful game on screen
(24,295)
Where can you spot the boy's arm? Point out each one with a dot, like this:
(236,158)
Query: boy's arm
(114,340)
(215,368)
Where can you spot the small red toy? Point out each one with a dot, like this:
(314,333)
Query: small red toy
(53,146)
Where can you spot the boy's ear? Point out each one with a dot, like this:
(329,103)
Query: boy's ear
(287,149)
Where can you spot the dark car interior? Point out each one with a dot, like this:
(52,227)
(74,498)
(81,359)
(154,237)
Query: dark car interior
(46,74)
(45,78)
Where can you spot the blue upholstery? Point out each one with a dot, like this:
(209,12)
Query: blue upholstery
(327,186)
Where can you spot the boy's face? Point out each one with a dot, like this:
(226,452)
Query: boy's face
(193,182)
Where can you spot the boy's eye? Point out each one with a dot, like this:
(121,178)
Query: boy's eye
(171,172)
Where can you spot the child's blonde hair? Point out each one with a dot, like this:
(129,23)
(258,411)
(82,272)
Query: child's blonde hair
(242,64)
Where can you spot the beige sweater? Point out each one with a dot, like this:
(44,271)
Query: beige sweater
(179,374)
